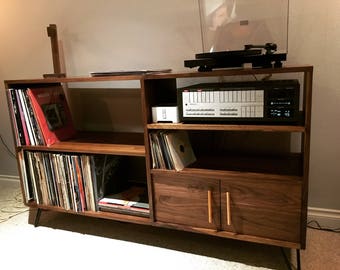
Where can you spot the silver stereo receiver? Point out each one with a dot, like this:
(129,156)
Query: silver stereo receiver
(272,101)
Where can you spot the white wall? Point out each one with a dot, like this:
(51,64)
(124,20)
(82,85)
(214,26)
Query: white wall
(132,34)
(315,39)
(96,35)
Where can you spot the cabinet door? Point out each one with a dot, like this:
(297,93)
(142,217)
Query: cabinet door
(187,200)
(262,205)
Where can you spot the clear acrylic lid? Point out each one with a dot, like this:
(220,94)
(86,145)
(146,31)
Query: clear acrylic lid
(229,25)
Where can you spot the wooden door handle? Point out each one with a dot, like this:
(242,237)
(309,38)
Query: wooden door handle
(209,207)
(227,199)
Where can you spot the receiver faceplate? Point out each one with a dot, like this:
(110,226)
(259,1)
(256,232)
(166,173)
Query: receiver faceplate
(254,101)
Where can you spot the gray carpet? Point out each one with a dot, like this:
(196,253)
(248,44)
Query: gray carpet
(66,241)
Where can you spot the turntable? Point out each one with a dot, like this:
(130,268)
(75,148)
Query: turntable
(242,33)
(258,56)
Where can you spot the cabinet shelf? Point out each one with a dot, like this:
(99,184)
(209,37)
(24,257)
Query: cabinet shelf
(289,165)
(131,144)
(224,127)
(231,72)
(97,214)
(15,83)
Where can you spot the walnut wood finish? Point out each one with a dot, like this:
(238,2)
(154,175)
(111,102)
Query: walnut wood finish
(189,201)
(252,221)
(53,34)
(248,197)
(127,144)
(262,206)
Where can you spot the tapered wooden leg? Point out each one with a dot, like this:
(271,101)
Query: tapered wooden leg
(298,262)
(37,217)
(288,261)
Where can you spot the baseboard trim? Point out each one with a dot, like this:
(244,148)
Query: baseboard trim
(9,178)
(327,218)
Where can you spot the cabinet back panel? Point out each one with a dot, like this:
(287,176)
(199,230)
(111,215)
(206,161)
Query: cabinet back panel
(107,109)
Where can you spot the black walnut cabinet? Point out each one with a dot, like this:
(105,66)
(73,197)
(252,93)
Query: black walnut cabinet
(247,183)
